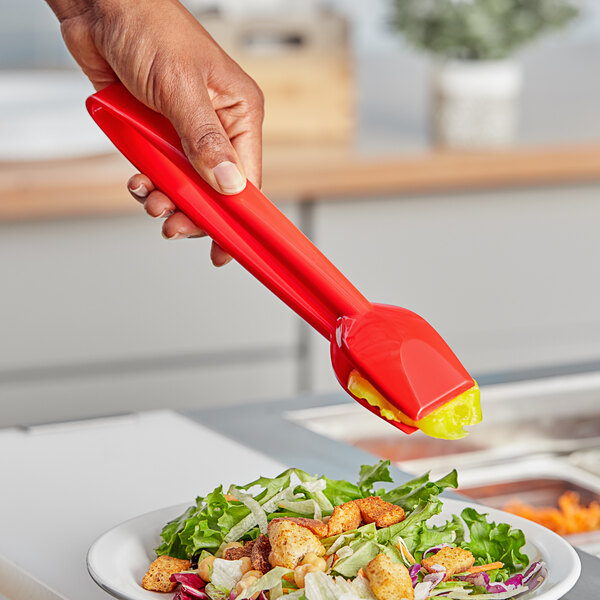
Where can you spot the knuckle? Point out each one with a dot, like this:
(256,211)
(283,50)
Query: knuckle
(206,140)
(255,98)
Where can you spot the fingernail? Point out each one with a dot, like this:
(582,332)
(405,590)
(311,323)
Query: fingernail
(175,236)
(165,213)
(141,191)
(229,178)
(226,262)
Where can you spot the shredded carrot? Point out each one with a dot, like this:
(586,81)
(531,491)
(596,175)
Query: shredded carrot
(488,567)
(230,497)
(406,553)
(570,516)
(361,573)
(287,577)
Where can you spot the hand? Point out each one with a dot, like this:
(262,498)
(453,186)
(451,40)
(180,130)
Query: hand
(168,61)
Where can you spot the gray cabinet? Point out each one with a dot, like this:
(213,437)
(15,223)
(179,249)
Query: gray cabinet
(102,315)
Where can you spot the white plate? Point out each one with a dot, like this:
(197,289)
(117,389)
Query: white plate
(118,559)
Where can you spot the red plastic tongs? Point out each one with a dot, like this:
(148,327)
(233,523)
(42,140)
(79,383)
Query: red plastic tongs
(400,354)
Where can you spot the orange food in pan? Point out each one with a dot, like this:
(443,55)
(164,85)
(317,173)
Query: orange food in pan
(570,516)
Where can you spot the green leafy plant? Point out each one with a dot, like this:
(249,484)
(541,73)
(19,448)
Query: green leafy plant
(478,29)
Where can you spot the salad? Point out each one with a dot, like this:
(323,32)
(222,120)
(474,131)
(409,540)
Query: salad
(302,537)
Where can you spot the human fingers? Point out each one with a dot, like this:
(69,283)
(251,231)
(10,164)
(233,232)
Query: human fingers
(158,205)
(243,123)
(248,146)
(185,227)
(178,226)
(205,141)
(218,256)
(140,186)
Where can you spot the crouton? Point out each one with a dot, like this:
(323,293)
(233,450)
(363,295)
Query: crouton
(239,552)
(392,515)
(317,527)
(344,518)
(290,542)
(454,560)
(260,554)
(375,510)
(389,580)
(157,579)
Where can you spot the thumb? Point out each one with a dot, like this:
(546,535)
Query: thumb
(207,145)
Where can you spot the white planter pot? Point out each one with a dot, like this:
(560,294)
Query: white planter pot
(475,103)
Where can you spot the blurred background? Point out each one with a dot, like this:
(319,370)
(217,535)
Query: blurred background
(452,169)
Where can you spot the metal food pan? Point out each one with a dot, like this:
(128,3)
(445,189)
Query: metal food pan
(539,492)
(557,416)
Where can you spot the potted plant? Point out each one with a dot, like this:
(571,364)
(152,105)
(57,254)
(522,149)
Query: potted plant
(476,82)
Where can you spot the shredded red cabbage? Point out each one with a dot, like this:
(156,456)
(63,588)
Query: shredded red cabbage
(532,579)
(189,579)
(192,587)
(479,579)
(435,549)
(414,572)
(515,580)
(483,580)
(535,575)
(188,593)
(436,577)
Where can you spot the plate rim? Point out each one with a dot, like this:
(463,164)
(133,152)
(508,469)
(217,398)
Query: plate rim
(98,579)
(557,591)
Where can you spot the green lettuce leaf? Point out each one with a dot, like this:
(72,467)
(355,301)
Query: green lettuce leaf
(452,532)
(339,491)
(491,542)
(420,490)
(171,544)
(370,475)
(411,528)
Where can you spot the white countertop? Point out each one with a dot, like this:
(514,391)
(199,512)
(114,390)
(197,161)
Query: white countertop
(64,485)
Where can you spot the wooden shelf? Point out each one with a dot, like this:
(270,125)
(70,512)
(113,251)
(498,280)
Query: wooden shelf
(96,185)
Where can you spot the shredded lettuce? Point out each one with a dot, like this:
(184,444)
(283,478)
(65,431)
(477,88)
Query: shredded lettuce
(364,551)
(268,581)
(319,586)
(308,508)
(226,573)
(215,593)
